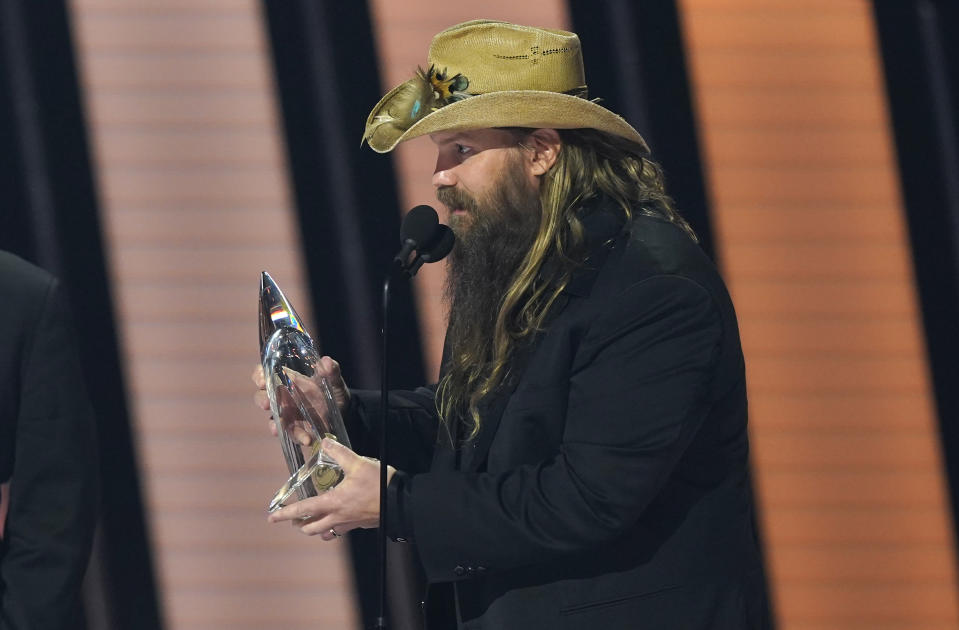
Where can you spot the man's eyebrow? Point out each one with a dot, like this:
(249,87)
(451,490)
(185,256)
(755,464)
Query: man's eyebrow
(453,138)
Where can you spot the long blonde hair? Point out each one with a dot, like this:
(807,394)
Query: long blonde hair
(590,164)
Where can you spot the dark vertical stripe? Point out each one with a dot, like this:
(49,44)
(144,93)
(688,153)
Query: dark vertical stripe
(16,226)
(636,62)
(25,117)
(326,73)
(51,206)
(920,56)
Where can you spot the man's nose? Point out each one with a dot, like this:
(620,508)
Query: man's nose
(443,175)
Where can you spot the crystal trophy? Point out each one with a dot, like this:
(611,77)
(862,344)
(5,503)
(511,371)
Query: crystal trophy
(300,398)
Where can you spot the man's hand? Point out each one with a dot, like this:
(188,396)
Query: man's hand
(326,368)
(355,502)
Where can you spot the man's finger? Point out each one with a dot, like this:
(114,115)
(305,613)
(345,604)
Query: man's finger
(339,453)
(258,378)
(322,528)
(329,367)
(261,400)
(302,436)
(299,511)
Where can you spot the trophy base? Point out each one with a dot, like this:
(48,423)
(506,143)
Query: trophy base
(310,480)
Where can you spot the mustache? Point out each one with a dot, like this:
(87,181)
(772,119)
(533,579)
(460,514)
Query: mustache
(452,197)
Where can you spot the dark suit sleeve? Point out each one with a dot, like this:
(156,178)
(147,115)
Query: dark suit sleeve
(413,425)
(638,391)
(53,486)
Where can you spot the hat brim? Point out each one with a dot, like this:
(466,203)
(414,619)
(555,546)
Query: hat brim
(515,108)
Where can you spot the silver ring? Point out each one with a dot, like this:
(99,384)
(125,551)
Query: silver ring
(333,531)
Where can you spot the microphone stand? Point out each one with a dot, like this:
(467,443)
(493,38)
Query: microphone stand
(381,623)
(444,238)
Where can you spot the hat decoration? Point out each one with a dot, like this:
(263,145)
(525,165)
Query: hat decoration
(429,90)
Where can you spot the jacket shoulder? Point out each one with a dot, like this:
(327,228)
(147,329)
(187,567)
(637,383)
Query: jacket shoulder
(28,290)
(657,247)
(21,280)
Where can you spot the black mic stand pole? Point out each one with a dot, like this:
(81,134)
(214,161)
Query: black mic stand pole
(381,623)
(443,237)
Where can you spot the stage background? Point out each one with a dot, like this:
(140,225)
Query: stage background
(211,139)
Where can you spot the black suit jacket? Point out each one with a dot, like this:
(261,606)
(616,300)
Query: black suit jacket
(47,452)
(608,484)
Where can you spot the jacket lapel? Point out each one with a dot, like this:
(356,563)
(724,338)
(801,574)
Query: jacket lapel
(491,408)
(445,453)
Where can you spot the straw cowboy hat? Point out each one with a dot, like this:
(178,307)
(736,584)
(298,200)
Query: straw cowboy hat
(483,74)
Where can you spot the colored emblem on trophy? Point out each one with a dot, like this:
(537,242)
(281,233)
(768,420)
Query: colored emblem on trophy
(300,398)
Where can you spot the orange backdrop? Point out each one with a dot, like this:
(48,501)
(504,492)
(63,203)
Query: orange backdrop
(811,232)
(809,228)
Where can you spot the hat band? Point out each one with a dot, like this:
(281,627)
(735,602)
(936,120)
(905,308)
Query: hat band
(429,91)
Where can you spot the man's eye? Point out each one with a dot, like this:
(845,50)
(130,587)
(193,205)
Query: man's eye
(462,150)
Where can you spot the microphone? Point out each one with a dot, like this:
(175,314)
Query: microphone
(437,249)
(418,228)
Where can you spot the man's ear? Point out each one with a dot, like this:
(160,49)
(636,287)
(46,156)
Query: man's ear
(544,146)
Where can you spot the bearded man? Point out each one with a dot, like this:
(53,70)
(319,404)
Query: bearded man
(583,458)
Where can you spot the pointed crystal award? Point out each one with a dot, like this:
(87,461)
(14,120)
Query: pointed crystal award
(300,398)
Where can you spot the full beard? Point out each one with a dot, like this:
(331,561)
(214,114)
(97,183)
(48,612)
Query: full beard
(493,238)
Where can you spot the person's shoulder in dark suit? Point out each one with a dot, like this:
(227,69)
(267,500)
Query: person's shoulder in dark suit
(47,453)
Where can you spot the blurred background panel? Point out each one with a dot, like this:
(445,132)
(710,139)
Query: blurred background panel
(195,203)
(157,155)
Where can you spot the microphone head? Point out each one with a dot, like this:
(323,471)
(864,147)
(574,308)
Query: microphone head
(419,225)
(441,245)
